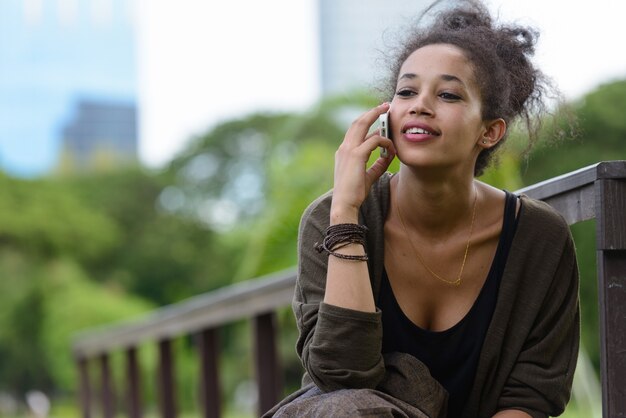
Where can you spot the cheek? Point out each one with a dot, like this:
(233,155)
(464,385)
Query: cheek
(470,118)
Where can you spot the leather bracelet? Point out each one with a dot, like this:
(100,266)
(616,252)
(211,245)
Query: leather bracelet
(342,235)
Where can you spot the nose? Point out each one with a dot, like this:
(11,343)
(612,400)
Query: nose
(421,105)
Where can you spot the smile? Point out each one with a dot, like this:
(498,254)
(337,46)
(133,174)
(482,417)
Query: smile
(418,131)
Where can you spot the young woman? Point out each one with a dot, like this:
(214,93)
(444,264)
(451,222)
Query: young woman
(429,293)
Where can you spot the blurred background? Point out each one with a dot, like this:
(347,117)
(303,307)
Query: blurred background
(154,150)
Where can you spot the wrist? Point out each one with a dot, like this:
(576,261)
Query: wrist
(344,216)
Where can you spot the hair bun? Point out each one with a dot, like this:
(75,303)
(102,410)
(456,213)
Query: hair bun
(463,19)
(524,38)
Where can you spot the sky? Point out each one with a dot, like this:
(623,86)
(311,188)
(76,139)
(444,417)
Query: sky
(200,62)
(203,61)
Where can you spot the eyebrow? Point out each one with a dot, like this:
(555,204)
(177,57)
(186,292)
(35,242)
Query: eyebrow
(444,77)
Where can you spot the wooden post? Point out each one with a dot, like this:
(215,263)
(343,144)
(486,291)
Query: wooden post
(134,386)
(85,387)
(208,351)
(611,256)
(166,380)
(268,379)
(107,397)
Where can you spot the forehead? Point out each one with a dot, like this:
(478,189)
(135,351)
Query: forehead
(438,59)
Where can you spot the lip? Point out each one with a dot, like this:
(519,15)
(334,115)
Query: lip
(419,137)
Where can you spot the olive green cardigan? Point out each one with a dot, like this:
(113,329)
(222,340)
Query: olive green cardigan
(531,347)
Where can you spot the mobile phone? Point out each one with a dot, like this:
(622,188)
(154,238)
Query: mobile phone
(383,121)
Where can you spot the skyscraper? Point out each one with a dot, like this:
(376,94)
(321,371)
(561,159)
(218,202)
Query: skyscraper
(100,135)
(353,37)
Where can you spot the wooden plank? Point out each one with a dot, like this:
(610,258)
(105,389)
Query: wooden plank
(612,305)
(268,376)
(611,169)
(611,228)
(577,205)
(243,300)
(611,254)
(167,386)
(561,184)
(107,397)
(575,179)
(134,386)
(84,389)
(208,352)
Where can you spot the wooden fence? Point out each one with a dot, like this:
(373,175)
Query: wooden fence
(594,192)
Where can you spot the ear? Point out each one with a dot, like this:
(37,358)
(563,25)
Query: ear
(493,132)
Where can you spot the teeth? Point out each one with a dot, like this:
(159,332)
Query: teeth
(417,131)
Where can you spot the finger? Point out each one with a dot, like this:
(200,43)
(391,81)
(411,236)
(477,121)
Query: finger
(374,141)
(379,167)
(361,126)
(371,134)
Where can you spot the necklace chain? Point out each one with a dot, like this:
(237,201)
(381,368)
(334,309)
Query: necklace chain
(459,278)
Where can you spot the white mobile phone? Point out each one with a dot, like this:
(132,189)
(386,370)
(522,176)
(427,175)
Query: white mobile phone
(383,121)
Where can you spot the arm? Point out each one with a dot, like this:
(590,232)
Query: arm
(340,331)
(347,282)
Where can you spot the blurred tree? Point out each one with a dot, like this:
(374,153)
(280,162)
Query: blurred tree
(160,255)
(601,134)
(252,178)
(39,219)
(42,304)
(21,341)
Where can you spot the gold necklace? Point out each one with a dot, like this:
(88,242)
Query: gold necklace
(456,282)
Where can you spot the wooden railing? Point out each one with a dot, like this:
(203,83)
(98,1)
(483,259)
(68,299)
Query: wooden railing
(595,192)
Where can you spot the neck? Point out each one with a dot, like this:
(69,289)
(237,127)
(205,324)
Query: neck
(434,203)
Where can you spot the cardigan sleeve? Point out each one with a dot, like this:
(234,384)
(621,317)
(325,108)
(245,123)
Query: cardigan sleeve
(339,348)
(541,378)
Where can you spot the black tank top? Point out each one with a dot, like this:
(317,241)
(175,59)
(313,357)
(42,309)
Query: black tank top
(450,355)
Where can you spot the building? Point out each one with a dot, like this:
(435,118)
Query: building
(99,136)
(353,37)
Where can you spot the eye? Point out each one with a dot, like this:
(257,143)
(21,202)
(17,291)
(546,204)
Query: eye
(450,97)
(405,93)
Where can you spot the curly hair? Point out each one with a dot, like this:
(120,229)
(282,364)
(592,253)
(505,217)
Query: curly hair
(511,87)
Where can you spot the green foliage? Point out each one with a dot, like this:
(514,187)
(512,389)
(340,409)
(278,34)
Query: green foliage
(38,218)
(506,174)
(21,329)
(43,305)
(602,115)
(160,256)
(258,174)
(600,135)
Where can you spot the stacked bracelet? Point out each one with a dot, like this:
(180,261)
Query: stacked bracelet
(342,235)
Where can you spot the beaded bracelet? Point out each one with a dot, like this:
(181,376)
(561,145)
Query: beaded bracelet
(342,235)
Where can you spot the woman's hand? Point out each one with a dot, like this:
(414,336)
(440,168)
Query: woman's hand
(352,177)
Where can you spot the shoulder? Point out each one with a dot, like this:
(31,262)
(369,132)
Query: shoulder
(537,215)
(542,231)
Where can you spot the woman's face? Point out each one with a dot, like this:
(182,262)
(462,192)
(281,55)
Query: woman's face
(435,115)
